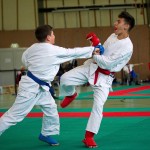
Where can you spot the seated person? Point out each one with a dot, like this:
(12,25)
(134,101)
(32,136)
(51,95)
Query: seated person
(130,75)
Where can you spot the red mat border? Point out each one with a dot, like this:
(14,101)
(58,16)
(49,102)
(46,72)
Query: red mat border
(128,92)
(87,114)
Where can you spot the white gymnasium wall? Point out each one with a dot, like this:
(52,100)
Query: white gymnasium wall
(26,14)
(92,18)
(23,14)
(9,15)
(18,14)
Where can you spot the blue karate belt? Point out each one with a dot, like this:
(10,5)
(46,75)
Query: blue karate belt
(40,82)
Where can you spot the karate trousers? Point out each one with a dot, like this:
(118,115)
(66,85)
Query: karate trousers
(79,76)
(30,94)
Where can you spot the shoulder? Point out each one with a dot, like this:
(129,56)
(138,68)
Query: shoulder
(128,41)
(127,44)
(110,38)
(113,35)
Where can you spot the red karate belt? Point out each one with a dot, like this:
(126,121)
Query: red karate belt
(103,71)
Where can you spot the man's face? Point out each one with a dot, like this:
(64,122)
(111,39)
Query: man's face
(120,26)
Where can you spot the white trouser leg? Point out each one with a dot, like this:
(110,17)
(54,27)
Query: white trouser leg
(23,104)
(100,97)
(72,78)
(50,123)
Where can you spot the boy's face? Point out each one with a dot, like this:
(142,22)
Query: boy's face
(120,26)
(51,38)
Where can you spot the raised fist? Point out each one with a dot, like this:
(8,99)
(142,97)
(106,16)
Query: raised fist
(90,35)
(95,42)
(93,38)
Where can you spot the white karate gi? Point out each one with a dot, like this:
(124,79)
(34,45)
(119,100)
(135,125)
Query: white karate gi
(43,60)
(116,55)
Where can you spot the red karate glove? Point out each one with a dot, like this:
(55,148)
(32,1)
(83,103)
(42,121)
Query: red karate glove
(93,38)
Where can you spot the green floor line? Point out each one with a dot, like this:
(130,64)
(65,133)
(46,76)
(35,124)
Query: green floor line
(142,92)
(89,109)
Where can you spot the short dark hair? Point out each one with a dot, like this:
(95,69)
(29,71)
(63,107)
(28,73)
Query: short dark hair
(128,19)
(42,31)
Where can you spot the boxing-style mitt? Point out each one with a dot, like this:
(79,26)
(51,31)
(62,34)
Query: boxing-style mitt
(95,41)
(93,38)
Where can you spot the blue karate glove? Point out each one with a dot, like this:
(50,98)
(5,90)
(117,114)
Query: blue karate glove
(101,48)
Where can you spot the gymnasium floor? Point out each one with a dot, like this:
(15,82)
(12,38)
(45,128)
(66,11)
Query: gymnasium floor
(125,126)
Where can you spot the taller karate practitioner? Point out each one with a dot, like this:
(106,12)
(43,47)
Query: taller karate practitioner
(99,72)
(42,60)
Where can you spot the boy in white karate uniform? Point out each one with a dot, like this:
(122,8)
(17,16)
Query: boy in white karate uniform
(99,72)
(42,60)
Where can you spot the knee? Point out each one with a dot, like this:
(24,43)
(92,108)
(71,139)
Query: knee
(63,78)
